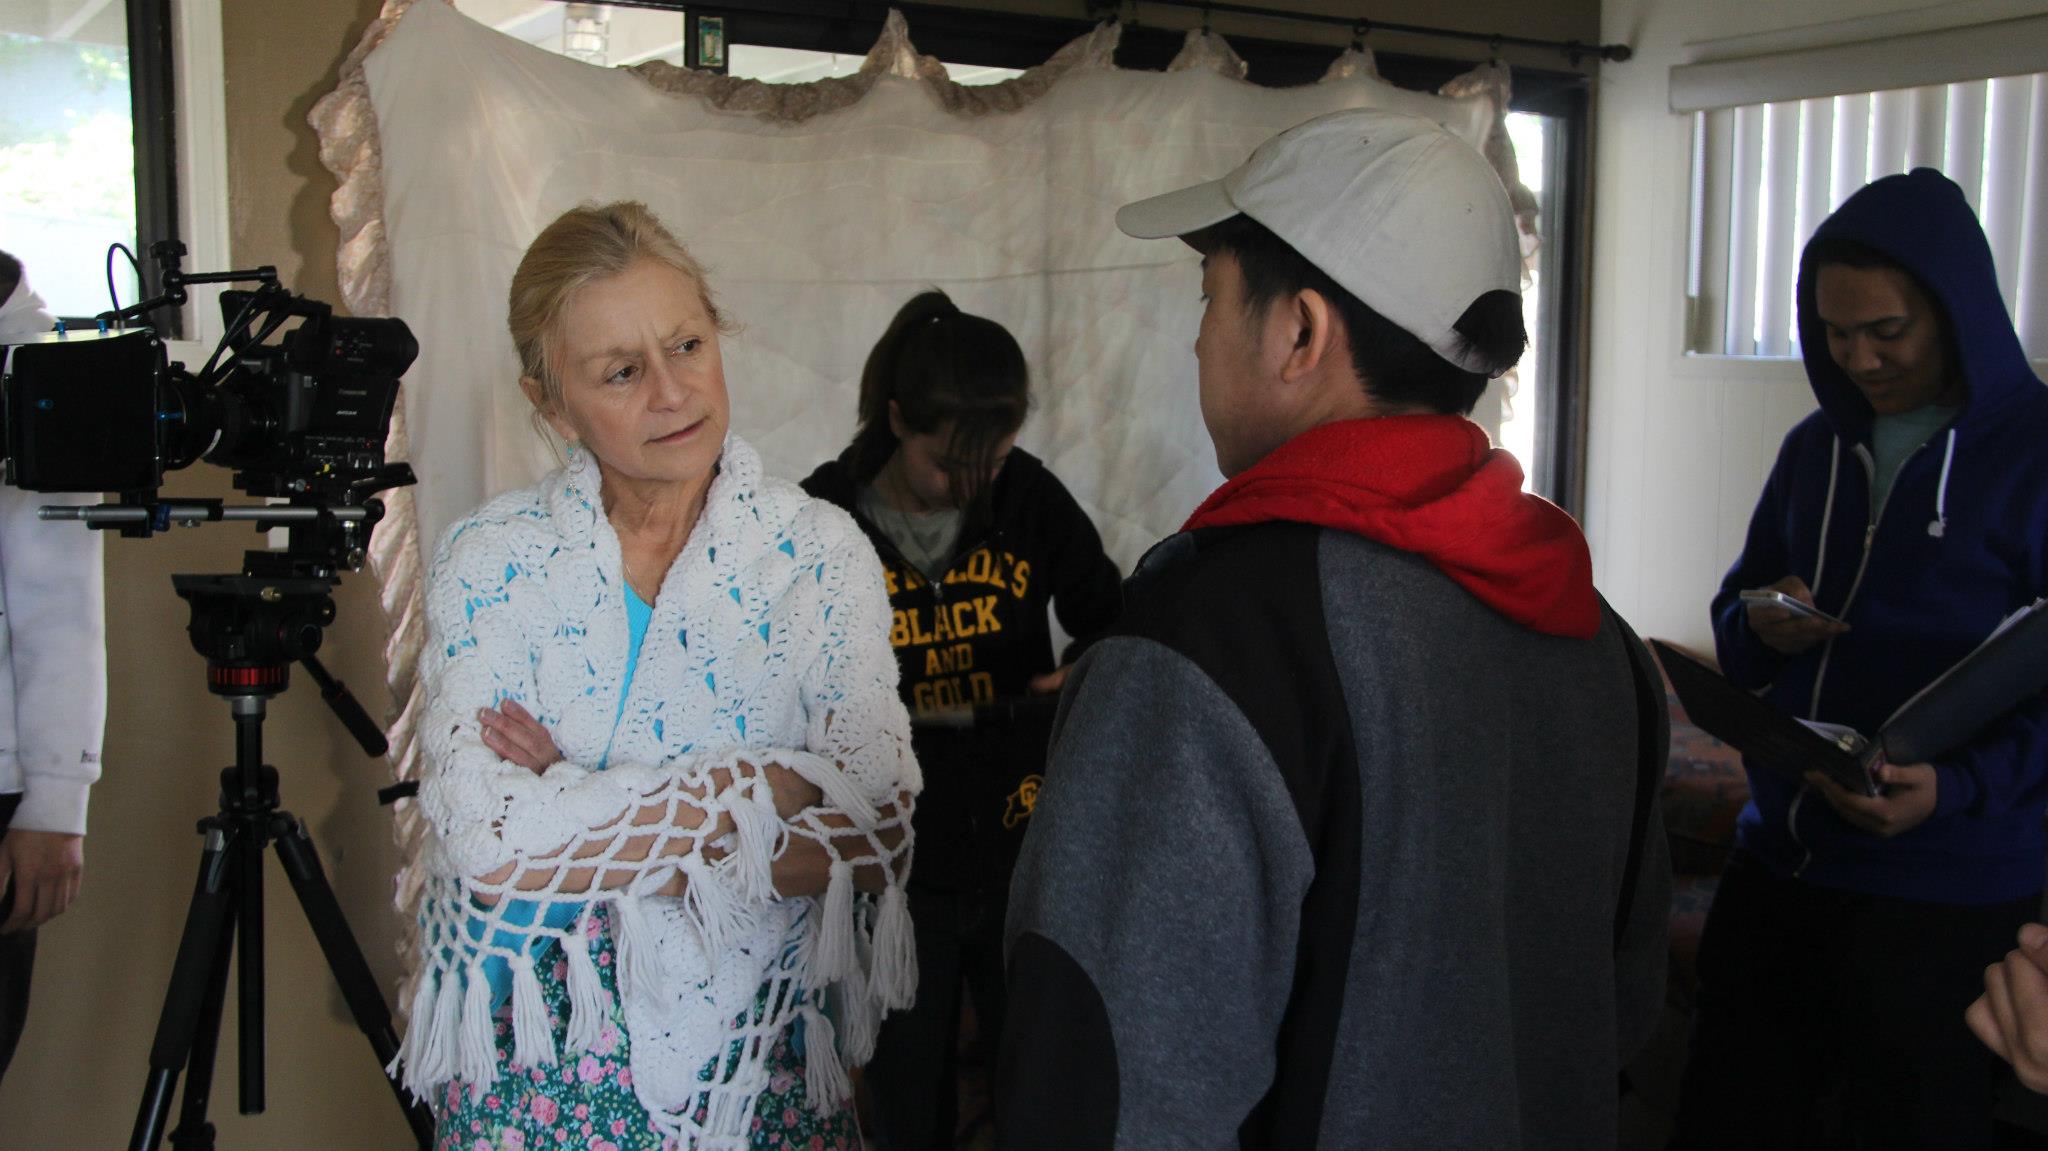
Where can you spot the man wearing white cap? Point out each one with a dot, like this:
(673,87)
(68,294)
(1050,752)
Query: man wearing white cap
(1345,839)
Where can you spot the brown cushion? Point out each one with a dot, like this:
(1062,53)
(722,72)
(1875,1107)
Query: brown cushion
(1704,790)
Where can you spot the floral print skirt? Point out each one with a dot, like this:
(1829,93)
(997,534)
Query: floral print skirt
(587,1101)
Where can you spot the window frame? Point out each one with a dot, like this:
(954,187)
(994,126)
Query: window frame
(199,174)
(153,116)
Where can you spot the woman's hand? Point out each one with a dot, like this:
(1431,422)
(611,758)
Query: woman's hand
(512,732)
(806,867)
(793,793)
(1786,631)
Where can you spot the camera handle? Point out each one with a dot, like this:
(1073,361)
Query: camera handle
(343,704)
(167,254)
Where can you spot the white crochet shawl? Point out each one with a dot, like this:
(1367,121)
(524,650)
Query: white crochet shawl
(768,643)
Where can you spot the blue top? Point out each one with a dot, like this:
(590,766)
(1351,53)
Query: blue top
(1894,438)
(560,916)
(638,612)
(1962,541)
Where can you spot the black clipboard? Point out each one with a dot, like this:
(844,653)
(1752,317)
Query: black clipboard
(1768,737)
(2004,672)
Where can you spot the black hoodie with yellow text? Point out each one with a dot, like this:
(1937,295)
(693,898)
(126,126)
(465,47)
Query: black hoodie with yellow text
(977,636)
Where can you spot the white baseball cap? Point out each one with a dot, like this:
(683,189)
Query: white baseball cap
(1397,210)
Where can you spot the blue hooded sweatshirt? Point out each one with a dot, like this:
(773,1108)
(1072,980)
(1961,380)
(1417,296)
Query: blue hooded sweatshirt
(1960,542)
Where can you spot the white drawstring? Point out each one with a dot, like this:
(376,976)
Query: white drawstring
(1938,527)
(1827,514)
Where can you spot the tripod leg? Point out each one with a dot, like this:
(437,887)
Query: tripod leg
(249,976)
(193,1132)
(345,959)
(206,924)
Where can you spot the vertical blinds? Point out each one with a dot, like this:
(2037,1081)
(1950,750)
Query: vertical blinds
(1766,175)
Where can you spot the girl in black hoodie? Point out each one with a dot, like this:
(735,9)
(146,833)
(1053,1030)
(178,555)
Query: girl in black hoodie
(976,537)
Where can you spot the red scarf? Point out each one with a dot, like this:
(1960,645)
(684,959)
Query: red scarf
(1434,486)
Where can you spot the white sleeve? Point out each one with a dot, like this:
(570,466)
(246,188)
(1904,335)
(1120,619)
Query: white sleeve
(53,604)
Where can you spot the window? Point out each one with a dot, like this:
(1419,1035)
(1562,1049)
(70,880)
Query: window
(798,65)
(616,35)
(594,33)
(89,152)
(1766,175)
(1522,417)
(67,153)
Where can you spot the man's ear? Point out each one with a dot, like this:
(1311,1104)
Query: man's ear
(1310,329)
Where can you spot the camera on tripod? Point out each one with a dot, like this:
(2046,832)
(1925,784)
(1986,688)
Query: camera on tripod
(302,420)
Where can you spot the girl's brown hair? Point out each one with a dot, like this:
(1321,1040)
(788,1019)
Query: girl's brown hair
(943,368)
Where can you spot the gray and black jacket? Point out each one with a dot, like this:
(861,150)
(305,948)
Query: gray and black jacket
(1331,854)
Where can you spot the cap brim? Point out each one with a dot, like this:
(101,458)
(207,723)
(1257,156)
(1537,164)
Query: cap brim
(1176,213)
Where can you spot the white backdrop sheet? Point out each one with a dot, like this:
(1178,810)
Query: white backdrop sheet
(819,209)
(815,233)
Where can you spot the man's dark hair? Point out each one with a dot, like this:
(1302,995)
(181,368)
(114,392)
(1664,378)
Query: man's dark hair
(1398,369)
(1834,252)
(10,275)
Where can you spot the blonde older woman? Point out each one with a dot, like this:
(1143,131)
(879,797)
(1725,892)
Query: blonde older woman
(663,750)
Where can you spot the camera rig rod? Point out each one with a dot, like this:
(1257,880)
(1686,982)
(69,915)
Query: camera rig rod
(162,514)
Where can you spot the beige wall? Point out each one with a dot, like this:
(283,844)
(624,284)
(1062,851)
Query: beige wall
(102,968)
(1678,448)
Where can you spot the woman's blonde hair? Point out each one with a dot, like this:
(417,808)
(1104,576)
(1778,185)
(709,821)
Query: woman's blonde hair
(585,244)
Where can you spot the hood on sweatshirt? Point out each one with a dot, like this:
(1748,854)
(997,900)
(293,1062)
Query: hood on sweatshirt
(1434,486)
(1922,221)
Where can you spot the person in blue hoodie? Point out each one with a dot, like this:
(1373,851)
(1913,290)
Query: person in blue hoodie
(1850,933)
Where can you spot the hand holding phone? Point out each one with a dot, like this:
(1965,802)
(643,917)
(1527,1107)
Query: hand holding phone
(1784,618)
(1771,597)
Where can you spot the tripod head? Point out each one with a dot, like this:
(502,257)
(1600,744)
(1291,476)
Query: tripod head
(251,628)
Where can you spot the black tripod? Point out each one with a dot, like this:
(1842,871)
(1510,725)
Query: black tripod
(251,629)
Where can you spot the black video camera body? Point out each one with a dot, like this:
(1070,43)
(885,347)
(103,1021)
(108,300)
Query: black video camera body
(308,416)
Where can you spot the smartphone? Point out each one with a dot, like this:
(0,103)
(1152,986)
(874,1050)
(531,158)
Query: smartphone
(1770,598)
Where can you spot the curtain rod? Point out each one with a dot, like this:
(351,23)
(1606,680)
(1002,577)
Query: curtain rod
(1573,50)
